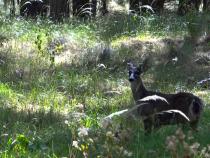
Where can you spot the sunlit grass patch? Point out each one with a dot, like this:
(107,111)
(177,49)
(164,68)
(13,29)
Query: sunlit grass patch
(205,94)
(50,105)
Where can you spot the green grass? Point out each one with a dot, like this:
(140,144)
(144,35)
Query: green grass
(37,109)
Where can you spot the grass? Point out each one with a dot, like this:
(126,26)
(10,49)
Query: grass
(44,102)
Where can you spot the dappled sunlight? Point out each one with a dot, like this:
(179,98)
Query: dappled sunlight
(114,6)
(205,95)
(59,79)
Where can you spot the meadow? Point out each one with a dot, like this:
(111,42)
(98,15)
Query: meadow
(59,79)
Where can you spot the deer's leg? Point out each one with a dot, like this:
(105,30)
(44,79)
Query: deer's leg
(194,125)
(205,3)
(158,122)
(148,122)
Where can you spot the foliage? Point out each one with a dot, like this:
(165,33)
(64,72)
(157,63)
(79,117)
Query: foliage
(53,107)
(181,145)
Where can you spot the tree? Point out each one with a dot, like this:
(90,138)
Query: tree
(12,6)
(157,5)
(81,8)
(85,8)
(32,8)
(59,8)
(134,5)
(103,8)
(94,7)
(206,5)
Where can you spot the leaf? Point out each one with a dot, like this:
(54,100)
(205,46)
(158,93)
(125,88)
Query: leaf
(9,142)
(22,140)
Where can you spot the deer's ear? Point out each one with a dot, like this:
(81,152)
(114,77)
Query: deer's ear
(146,64)
(140,68)
(129,65)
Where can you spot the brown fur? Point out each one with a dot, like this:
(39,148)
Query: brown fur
(187,103)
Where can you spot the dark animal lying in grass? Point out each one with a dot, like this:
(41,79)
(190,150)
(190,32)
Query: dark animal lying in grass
(33,8)
(150,105)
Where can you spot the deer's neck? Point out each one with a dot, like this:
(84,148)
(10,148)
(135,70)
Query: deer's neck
(138,89)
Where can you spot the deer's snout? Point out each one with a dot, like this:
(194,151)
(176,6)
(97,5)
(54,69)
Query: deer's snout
(131,77)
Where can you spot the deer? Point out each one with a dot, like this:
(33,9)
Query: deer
(157,109)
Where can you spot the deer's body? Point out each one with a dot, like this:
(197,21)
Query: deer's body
(188,103)
(154,104)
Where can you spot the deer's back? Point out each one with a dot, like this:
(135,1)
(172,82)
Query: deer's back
(188,103)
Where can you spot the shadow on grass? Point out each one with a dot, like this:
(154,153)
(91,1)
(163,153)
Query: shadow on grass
(119,24)
(46,131)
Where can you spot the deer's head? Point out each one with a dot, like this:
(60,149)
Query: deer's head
(134,72)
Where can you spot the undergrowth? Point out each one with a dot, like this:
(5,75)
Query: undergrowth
(53,108)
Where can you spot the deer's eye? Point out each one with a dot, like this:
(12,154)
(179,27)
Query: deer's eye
(137,73)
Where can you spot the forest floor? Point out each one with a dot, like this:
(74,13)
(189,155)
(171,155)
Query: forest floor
(58,80)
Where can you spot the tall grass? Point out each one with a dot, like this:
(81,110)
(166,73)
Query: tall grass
(45,104)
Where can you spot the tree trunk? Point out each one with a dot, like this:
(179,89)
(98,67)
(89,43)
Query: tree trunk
(94,7)
(80,7)
(206,5)
(134,5)
(186,6)
(12,8)
(104,8)
(158,5)
(59,8)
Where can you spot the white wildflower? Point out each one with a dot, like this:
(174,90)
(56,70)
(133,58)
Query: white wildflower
(82,132)
(75,144)
(66,122)
(127,153)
